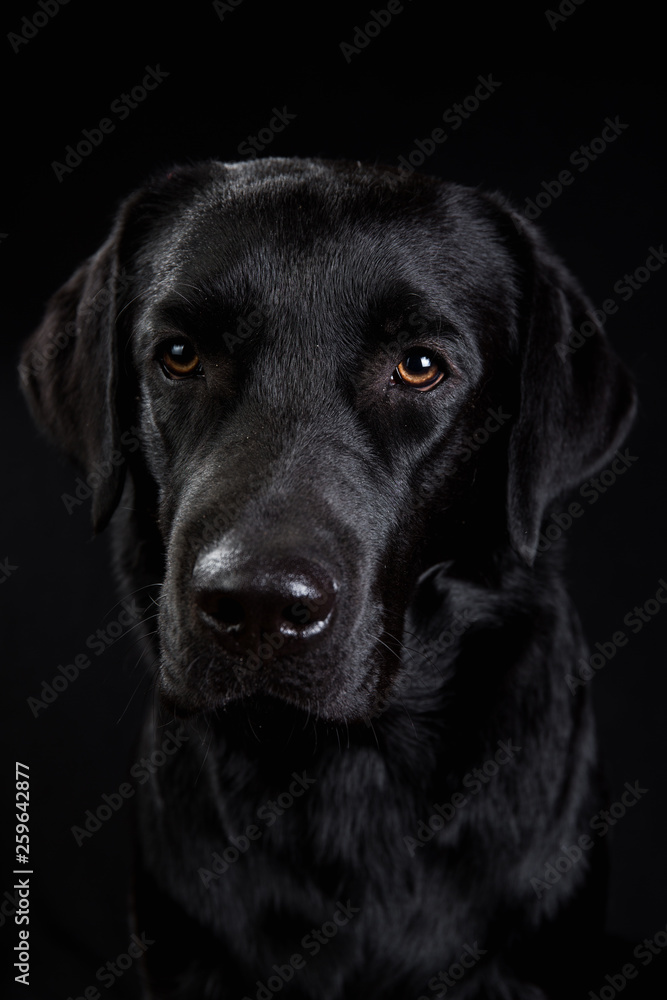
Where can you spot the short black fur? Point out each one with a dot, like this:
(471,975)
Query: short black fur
(355,611)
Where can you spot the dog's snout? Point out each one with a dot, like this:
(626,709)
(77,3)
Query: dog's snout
(287,603)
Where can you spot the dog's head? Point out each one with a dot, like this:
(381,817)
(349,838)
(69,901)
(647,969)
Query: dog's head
(339,376)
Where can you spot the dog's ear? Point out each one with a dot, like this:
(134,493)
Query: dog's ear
(577,400)
(69,374)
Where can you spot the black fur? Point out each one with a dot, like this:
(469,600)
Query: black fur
(426,628)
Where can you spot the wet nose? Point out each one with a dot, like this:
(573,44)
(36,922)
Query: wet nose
(288,603)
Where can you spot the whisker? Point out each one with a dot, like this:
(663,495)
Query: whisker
(127,597)
(425,657)
(128,304)
(377,638)
(208,747)
(142,680)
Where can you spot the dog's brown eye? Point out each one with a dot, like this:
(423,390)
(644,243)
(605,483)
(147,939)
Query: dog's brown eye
(179,359)
(420,369)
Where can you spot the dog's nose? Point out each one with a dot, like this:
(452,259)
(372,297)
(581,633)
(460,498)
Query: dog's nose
(286,604)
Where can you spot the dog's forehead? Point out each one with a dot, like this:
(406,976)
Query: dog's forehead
(319,243)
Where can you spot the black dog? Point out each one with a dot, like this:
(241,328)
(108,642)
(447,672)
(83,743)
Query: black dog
(357,398)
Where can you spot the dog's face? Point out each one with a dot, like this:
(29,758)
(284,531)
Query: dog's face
(340,377)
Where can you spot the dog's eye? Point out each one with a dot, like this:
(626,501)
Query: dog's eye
(179,359)
(420,369)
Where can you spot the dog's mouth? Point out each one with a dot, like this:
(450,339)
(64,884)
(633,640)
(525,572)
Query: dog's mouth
(311,632)
(334,685)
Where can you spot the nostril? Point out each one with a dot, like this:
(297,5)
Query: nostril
(243,602)
(295,614)
(226,610)
(308,612)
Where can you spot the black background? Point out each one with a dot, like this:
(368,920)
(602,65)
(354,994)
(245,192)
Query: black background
(225,78)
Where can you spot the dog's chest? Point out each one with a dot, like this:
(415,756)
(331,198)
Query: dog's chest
(312,863)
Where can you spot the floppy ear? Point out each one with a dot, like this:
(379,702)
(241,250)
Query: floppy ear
(577,400)
(69,374)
